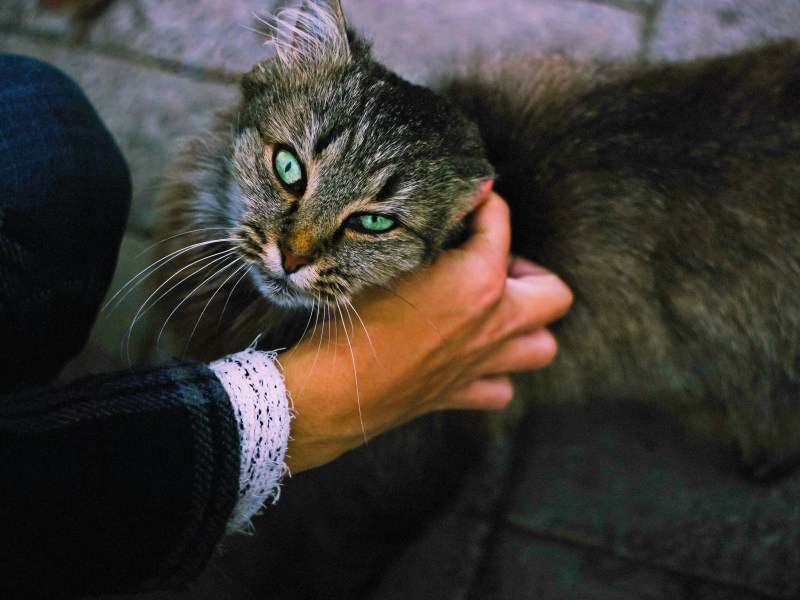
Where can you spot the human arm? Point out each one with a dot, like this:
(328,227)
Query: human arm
(128,481)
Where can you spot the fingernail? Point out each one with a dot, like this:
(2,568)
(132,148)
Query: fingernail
(483,190)
(485,187)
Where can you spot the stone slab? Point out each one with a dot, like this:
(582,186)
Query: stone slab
(626,481)
(416,37)
(148,111)
(522,568)
(447,558)
(687,28)
(420,38)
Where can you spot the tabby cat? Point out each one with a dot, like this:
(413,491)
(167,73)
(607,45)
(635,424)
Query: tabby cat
(666,196)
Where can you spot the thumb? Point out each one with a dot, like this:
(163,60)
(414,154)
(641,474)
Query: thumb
(491,229)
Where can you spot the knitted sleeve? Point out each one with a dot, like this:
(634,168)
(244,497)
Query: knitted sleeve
(116,483)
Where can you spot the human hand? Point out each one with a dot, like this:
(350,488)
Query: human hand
(443,338)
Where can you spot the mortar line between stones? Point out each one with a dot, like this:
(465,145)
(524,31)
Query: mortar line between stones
(523,528)
(511,464)
(638,7)
(126,55)
(650,15)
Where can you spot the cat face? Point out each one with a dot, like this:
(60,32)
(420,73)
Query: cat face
(345,174)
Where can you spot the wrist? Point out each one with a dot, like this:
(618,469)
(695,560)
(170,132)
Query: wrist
(257,393)
(326,422)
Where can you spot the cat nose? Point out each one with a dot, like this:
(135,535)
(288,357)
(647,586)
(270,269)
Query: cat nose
(291,261)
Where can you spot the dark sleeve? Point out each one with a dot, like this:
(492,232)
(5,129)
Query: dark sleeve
(116,483)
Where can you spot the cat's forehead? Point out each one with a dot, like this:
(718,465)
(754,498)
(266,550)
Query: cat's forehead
(366,109)
(361,134)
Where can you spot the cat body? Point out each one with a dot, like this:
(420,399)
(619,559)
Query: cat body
(666,196)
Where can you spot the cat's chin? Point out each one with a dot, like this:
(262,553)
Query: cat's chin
(283,293)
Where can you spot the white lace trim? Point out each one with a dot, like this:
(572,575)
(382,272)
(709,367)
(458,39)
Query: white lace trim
(258,395)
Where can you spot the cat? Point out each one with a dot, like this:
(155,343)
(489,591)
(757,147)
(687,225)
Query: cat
(666,196)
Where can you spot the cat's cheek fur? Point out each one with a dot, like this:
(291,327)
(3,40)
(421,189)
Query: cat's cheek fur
(272,259)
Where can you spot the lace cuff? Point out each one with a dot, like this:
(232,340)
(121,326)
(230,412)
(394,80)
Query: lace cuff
(258,395)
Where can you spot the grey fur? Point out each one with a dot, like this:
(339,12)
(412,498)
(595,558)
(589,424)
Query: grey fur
(668,197)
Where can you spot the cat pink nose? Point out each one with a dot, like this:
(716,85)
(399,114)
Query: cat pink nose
(291,261)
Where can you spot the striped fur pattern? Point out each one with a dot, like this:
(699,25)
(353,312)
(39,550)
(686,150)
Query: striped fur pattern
(667,196)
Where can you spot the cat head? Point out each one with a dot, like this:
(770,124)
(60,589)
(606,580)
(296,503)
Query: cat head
(347,174)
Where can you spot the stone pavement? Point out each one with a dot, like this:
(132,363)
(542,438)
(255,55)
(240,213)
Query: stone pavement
(157,69)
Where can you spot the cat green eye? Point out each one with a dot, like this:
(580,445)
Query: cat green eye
(371,223)
(289,169)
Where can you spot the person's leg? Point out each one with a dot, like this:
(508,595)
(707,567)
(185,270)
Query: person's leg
(64,199)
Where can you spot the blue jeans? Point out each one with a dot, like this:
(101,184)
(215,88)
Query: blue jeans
(64,200)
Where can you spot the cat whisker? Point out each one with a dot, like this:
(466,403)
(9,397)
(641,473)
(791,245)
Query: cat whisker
(150,269)
(189,295)
(314,314)
(411,304)
(259,32)
(144,308)
(189,232)
(324,307)
(342,310)
(211,298)
(355,369)
(266,21)
(137,279)
(230,294)
(314,309)
(210,259)
(363,326)
(318,302)
(331,323)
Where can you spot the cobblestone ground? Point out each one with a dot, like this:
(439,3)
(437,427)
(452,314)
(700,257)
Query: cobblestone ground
(157,69)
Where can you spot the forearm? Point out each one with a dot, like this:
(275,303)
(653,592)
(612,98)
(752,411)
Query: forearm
(128,481)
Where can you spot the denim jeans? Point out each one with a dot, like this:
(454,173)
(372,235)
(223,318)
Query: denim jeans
(117,482)
(64,200)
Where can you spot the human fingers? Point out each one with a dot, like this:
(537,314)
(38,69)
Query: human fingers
(530,303)
(521,267)
(520,353)
(487,393)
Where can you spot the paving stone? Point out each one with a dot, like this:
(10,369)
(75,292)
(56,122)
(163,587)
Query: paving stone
(624,480)
(10,13)
(204,35)
(419,38)
(686,28)
(523,568)
(415,37)
(201,33)
(640,6)
(26,15)
(147,111)
(444,562)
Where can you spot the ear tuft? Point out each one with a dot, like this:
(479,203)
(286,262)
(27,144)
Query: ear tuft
(313,33)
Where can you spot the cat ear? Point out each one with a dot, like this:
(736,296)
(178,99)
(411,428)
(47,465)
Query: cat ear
(315,32)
